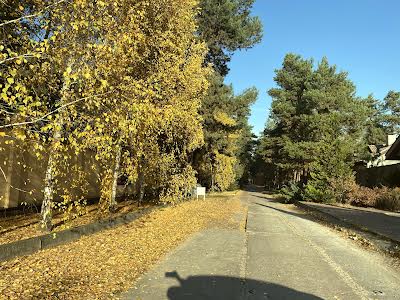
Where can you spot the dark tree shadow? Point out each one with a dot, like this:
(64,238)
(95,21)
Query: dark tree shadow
(230,288)
(254,188)
(270,199)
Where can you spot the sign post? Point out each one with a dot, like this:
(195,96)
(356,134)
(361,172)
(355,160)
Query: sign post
(201,191)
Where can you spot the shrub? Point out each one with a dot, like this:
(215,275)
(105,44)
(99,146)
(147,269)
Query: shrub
(342,189)
(291,192)
(315,193)
(389,199)
(319,189)
(351,193)
(361,196)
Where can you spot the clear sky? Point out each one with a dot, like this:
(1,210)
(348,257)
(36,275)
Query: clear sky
(361,37)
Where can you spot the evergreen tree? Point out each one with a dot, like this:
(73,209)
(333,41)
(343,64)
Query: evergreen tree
(376,130)
(316,124)
(391,108)
(227,26)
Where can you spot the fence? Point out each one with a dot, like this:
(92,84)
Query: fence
(379,176)
(22,175)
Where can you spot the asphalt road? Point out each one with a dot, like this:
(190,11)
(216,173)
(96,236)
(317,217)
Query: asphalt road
(281,255)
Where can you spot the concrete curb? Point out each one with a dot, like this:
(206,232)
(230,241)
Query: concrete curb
(35,244)
(356,226)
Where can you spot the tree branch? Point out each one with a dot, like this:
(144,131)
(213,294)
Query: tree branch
(16,57)
(52,112)
(32,15)
(13,187)
(4,174)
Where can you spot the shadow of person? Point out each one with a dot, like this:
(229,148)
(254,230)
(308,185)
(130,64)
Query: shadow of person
(230,288)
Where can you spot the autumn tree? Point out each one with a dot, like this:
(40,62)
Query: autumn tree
(119,80)
(226,133)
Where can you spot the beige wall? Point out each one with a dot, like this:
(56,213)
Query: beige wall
(20,181)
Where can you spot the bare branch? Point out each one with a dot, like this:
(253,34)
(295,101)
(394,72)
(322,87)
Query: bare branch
(16,57)
(4,174)
(13,187)
(32,15)
(52,112)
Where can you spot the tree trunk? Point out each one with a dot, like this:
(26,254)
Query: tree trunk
(113,202)
(9,177)
(141,188)
(212,178)
(46,210)
(48,193)
(140,181)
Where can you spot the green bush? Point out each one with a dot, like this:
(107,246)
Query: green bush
(315,193)
(291,192)
(389,200)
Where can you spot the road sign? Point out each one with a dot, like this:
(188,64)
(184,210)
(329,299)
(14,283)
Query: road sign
(201,191)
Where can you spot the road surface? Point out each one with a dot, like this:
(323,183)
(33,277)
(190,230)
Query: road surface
(281,255)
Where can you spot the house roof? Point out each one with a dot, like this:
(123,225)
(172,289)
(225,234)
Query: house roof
(378,149)
(394,151)
(373,149)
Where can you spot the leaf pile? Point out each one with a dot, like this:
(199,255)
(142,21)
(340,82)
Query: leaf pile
(20,227)
(103,265)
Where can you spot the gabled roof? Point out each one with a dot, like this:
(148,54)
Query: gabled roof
(394,151)
(377,150)
(373,149)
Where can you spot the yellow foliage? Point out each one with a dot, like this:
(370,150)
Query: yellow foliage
(224,119)
(225,174)
(128,76)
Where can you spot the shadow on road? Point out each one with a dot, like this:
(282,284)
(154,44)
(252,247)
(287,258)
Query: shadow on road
(229,288)
(254,188)
(275,200)
(375,226)
(303,216)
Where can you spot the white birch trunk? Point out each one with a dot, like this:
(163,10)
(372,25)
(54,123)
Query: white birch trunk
(141,189)
(46,210)
(9,177)
(140,181)
(48,192)
(212,178)
(113,202)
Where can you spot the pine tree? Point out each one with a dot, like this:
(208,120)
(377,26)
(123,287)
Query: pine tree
(227,26)
(391,108)
(316,124)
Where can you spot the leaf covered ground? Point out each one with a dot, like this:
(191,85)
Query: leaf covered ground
(19,227)
(103,265)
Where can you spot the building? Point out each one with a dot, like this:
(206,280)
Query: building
(393,154)
(385,155)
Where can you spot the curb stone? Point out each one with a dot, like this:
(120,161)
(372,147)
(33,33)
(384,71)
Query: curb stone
(50,240)
(47,241)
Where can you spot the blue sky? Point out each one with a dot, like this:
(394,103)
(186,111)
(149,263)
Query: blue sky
(361,37)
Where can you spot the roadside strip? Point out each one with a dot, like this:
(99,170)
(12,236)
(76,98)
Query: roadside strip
(50,240)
